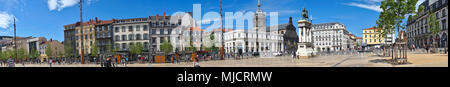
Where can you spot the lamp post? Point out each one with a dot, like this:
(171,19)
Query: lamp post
(81,31)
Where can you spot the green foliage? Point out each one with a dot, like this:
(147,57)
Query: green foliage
(94,50)
(21,54)
(6,54)
(108,49)
(433,23)
(34,53)
(68,50)
(166,47)
(136,48)
(394,11)
(48,50)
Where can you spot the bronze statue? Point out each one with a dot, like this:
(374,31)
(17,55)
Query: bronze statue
(305,14)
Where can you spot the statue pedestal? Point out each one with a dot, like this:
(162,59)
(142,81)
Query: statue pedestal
(305,51)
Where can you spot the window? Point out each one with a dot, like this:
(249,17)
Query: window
(161,31)
(130,37)
(123,29)
(138,27)
(145,28)
(124,46)
(161,40)
(130,28)
(116,30)
(153,39)
(117,38)
(138,36)
(153,31)
(145,45)
(169,31)
(145,36)
(124,37)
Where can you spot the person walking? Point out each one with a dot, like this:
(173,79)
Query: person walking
(123,61)
(50,62)
(426,47)
(11,62)
(108,62)
(196,63)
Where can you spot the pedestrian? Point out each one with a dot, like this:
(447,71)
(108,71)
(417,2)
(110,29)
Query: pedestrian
(50,62)
(108,62)
(123,62)
(11,62)
(1,63)
(446,49)
(196,63)
(23,63)
(426,47)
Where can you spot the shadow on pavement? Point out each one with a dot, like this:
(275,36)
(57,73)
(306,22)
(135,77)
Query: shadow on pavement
(387,61)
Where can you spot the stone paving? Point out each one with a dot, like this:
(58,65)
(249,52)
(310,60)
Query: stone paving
(355,60)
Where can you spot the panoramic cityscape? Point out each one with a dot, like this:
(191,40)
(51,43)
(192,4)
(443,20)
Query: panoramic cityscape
(200,33)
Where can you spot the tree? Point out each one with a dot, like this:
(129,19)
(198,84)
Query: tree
(433,23)
(34,53)
(94,50)
(20,53)
(166,47)
(68,50)
(394,11)
(392,16)
(48,50)
(108,49)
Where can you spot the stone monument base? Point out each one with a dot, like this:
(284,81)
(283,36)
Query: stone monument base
(305,51)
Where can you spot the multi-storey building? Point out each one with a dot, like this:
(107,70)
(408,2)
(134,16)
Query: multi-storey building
(162,29)
(128,32)
(417,31)
(73,35)
(87,35)
(330,37)
(56,47)
(259,39)
(104,36)
(373,38)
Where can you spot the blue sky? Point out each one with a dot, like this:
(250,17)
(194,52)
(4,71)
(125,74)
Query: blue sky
(43,18)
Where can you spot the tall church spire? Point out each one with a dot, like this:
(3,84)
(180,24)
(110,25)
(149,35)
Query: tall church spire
(259,6)
(259,3)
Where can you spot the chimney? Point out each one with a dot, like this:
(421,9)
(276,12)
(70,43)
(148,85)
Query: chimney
(164,15)
(157,17)
(96,20)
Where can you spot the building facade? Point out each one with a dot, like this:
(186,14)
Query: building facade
(417,31)
(259,39)
(104,36)
(128,32)
(330,37)
(56,47)
(373,38)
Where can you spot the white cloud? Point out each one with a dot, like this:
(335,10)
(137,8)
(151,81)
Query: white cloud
(6,20)
(373,7)
(61,4)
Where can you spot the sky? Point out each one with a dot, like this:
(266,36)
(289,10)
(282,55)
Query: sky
(46,18)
